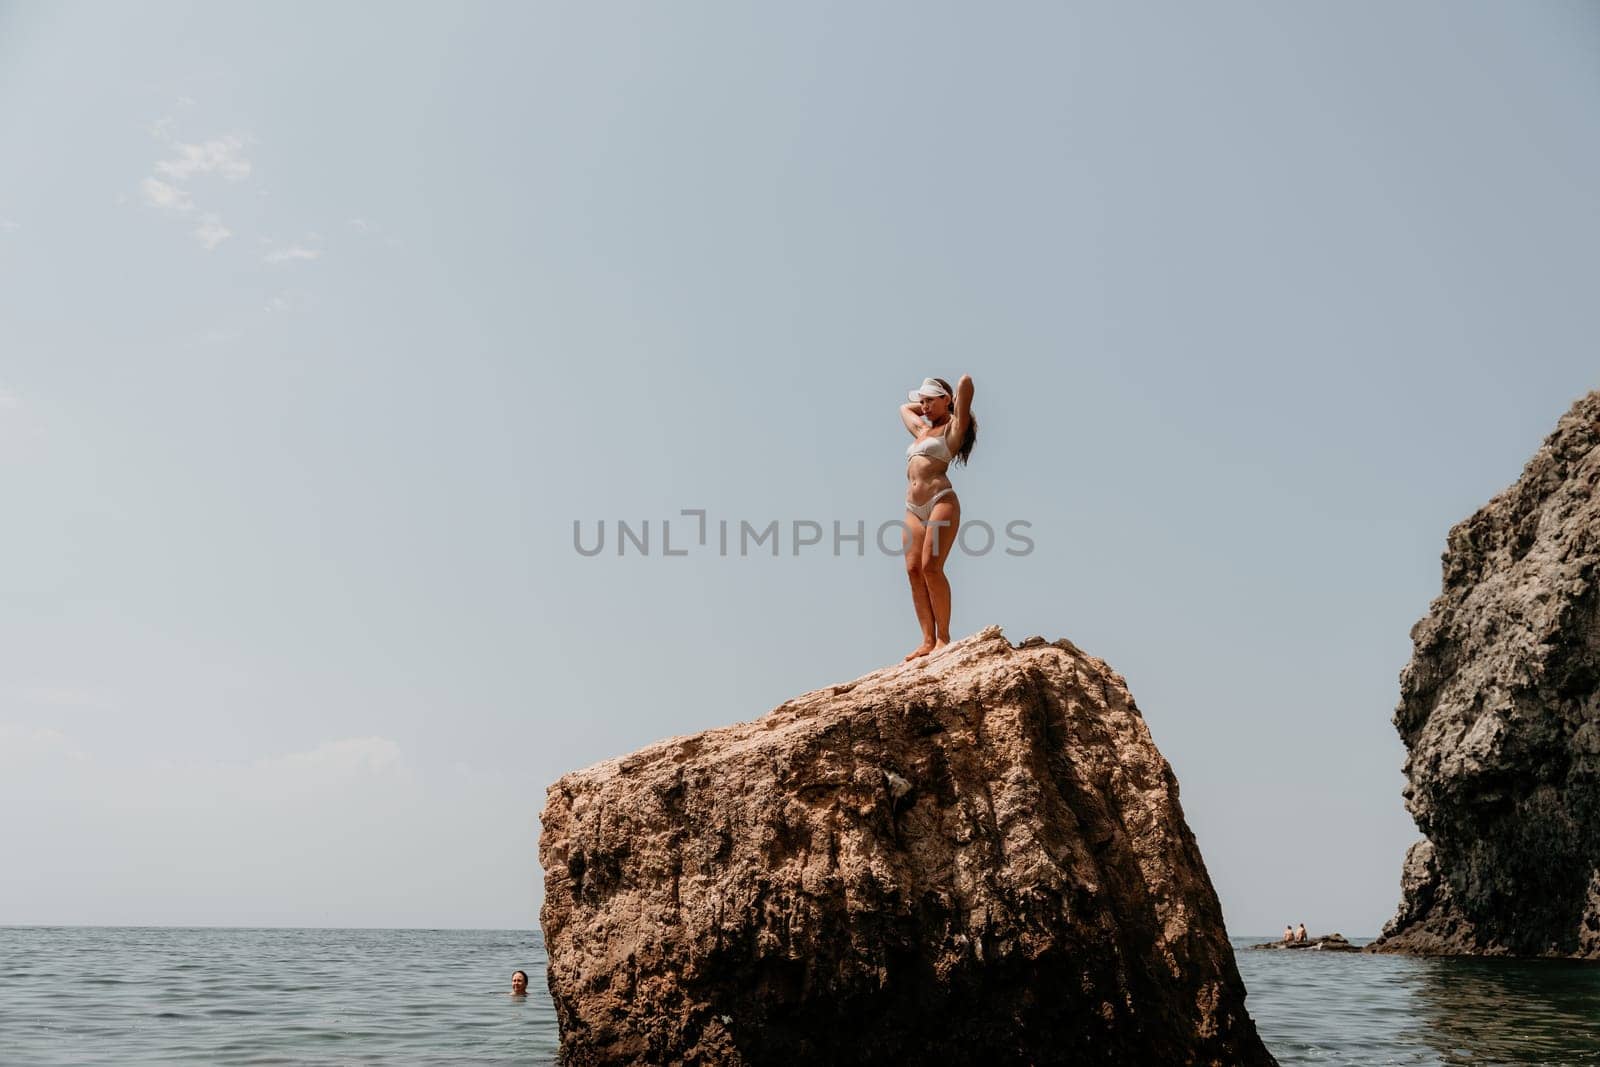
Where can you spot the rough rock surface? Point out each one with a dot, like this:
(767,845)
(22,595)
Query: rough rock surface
(977,858)
(1500,715)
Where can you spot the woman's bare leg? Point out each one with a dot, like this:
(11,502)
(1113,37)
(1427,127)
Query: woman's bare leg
(915,534)
(936,545)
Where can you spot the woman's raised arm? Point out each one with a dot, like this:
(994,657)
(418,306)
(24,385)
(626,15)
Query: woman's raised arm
(963,406)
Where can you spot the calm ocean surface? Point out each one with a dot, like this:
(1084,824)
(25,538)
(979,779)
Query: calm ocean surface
(127,995)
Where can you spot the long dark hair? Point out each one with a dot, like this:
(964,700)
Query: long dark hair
(971,436)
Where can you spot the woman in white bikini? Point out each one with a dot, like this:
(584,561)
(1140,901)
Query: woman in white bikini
(936,417)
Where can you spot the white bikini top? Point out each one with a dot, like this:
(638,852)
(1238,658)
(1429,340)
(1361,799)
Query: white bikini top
(934,446)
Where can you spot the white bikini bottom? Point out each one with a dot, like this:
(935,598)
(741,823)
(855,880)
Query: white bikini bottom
(924,511)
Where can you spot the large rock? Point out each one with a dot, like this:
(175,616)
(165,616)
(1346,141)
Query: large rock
(1500,714)
(1325,943)
(978,858)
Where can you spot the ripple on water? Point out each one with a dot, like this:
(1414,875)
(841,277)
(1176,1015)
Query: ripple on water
(97,995)
(270,996)
(1348,1008)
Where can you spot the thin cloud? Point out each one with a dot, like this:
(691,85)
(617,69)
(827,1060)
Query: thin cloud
(211,232)
(183,182)
(221,337)
(352,759)
(158,193)
(167,189)
(69,696)
(7,225)
(223,157)
(22,745)
(289,253)
(342,758)
(373,230)
(8,399)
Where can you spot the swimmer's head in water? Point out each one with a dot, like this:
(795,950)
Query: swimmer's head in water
(519,982)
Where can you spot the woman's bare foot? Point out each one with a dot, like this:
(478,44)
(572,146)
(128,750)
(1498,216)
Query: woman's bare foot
(921,650)
(940,645)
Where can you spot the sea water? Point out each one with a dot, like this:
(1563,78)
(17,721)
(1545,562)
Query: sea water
(1353,1008)
(144,994)
(81,995)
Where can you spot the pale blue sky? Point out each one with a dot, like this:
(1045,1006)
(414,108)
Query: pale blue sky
(324,322)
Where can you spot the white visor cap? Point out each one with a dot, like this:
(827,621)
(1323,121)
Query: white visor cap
(929,388)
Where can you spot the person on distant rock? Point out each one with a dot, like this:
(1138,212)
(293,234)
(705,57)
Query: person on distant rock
(1288,933)
(1300,934)
(519,983)
(941,421)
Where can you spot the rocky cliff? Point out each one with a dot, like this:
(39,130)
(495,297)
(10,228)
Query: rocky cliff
(1500,715)
(976,858)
